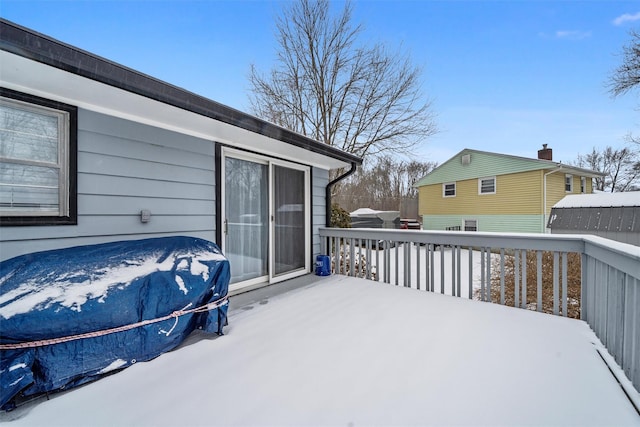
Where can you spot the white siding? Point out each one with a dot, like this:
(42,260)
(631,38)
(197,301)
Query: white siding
(124,167)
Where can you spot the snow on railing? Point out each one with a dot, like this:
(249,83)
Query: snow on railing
(595,279)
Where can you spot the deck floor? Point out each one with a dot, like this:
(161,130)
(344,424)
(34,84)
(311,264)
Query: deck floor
(344,351)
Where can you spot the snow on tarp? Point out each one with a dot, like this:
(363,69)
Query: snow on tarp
(66,292)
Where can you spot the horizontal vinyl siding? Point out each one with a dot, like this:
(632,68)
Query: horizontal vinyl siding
(516,194)
(482,164)
(124,167)
(490,223)
(555,189)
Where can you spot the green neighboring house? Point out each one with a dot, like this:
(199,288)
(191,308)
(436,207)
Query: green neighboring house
(483,191)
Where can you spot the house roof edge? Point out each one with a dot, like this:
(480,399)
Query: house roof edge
(543,165)
(38,47)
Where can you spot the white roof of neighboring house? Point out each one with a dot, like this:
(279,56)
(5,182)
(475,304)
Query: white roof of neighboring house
(630,198)
(370,213)
(363,211)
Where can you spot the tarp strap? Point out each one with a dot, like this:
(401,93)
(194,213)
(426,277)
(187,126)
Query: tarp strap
(175,315)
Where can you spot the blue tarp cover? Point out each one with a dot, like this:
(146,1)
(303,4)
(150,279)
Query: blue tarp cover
(84,289)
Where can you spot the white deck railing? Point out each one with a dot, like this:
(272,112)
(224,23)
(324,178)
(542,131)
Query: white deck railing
(472,265)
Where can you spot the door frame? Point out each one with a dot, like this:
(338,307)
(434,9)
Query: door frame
(307,222)
(270,278)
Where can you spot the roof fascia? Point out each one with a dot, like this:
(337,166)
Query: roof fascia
(38,47)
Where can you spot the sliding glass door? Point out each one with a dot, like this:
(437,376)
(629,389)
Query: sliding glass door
(246,222)
(266,218)
(289,224)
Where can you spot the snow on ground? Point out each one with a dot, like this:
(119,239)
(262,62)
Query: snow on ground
(345,351)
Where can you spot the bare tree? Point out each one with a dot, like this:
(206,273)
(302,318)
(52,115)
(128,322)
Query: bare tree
(627,76)
(364,100)
(620,166)
(383,183)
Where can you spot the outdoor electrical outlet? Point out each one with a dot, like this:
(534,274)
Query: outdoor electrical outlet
(145,215)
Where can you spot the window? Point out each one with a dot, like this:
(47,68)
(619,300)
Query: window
(583,184)
(487,185)
(449,189)
(568,183)
(37,160)
(470,225)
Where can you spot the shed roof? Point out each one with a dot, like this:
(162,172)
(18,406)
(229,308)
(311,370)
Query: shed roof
(483,163)
(630,198)
(26,43)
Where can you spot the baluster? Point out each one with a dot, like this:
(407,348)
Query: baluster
(502,276)
(524,279)
(516,278)
(539,280)
(482,277)
(555,283)
(565,273)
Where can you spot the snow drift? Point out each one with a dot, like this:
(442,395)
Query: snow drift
(129,301)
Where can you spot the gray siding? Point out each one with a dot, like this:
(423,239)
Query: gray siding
(320,179)
(124,167)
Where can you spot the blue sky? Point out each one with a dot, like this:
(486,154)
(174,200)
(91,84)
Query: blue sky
(503,76)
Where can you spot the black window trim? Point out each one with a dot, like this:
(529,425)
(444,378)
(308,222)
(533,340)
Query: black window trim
(72,161)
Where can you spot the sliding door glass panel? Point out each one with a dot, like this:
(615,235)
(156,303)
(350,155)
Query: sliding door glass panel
(289,219)
(246,218)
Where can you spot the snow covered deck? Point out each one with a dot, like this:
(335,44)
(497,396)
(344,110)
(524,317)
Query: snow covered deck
(346,351)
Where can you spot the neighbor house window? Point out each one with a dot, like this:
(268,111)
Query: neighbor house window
(37,160)
(568,183)
(487,185)
(583,184)
(470,225)
(449,189)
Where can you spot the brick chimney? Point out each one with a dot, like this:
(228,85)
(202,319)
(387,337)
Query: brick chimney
(545,153)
